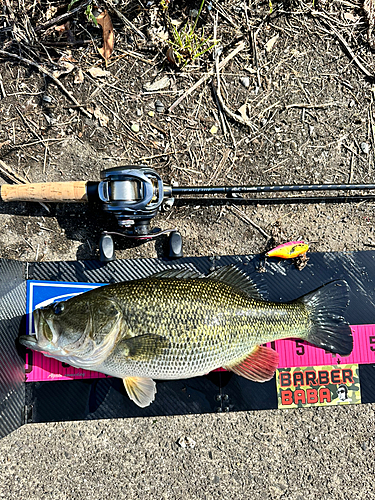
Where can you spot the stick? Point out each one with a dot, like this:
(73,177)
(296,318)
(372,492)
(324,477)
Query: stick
(205,77)
(313,106)
(11,174)
(43,70)
(61,19)
(343,42)
(234,116)
(246,219)
(126,21)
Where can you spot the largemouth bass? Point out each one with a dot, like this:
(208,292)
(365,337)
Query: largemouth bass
(180,324)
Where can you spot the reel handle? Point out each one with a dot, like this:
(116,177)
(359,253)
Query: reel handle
(66,192)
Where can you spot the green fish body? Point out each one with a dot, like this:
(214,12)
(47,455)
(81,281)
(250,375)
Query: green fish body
(178,324)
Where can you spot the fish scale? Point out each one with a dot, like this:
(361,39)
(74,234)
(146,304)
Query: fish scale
(179,324)
(208,324)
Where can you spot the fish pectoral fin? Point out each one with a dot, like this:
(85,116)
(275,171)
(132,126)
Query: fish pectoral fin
(144,347)
(260,365)
(141,390)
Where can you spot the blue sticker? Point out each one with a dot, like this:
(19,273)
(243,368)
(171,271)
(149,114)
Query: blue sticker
(42,293)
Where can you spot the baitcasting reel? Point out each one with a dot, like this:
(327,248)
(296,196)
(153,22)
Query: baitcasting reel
(134,196)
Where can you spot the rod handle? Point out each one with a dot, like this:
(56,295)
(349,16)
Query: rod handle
(73,192)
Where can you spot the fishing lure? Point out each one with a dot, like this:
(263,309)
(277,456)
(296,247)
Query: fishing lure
(289,250)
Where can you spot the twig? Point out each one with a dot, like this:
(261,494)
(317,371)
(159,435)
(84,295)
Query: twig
(246,219)
(225,15)
(44,141)
(234,116)
(126,21)
(253,36)
(43,70)
(61,19)
(351,169)
(313,106)
(344,43)
(28,125)
(221,114)
(220,166)
(205,77)
(11,174)
(2,87)
(135,55)
(353,152)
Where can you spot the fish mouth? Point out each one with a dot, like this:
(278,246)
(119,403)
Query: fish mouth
(30,341)
(42,340)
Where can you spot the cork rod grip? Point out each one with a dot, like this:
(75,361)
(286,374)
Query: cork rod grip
(46,192)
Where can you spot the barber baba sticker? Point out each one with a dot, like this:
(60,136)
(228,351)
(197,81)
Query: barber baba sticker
(318,386)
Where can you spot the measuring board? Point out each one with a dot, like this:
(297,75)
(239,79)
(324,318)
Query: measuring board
(47,390)
(307,376)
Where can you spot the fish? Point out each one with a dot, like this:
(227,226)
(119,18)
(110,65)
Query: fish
(289,250)
(178,324)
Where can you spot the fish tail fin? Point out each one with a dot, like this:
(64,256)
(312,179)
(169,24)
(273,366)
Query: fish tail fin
(326,307)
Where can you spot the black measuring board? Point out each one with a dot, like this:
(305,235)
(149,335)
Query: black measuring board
(217,391)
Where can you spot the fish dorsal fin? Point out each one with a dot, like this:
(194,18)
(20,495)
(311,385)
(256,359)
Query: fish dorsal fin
(144,347)
(260,365)
(232,276)
(178,274)
(141,390)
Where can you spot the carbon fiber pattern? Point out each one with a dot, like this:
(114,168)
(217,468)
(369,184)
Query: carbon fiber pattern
(106,398)
(112,272)
(12,309)
(367,378)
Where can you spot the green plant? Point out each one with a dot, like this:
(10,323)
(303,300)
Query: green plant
(187,44)
(71,4)
(89,14)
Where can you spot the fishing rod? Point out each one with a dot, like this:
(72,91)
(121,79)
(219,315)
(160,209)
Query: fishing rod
(134,195)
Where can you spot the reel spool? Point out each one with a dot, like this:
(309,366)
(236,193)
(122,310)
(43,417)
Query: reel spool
(133,195)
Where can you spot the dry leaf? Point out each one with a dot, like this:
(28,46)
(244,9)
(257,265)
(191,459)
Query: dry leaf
(271,43)
(60,28)
(350,17)
(68,57)
(51,12)
(162,34)
(157,85)
(108,36)
(98,72)
(65,67)
(78,78)
(243,111)
(103,119)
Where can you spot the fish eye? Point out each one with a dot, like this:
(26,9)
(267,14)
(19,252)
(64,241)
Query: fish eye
(58,307)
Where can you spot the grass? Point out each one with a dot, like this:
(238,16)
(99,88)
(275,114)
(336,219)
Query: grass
(187,45)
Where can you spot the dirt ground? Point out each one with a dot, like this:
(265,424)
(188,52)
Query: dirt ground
(304,81)
(307,105)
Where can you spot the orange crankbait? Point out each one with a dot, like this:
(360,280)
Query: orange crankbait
(289,250)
